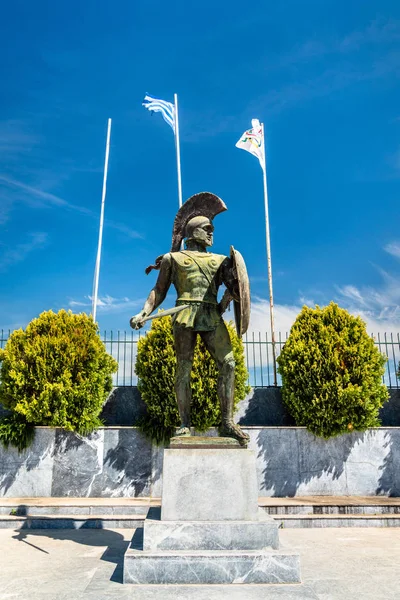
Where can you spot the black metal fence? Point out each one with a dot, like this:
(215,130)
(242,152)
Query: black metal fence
(122,346)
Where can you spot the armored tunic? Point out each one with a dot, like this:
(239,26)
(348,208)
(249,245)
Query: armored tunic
(196,277)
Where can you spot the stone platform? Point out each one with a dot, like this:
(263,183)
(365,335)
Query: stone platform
(210,535)
(210,529)
(211,567)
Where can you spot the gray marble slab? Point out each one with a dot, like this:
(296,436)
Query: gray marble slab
(211,567)
(209,485)
(30,472)
(78,461)
(214,535)
(119,461)
(126,464)
(293,462)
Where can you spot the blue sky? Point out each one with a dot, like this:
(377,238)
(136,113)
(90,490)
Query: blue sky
(322,75)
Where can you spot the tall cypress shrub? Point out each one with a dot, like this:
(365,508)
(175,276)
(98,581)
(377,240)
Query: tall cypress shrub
(155,368)
(56,373)
(332,372)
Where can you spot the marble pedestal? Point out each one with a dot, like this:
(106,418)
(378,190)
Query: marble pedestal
(209,529)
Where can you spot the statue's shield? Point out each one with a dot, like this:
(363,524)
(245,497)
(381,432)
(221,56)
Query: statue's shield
(241,307)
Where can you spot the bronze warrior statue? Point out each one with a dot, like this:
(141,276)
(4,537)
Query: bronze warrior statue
(196,275)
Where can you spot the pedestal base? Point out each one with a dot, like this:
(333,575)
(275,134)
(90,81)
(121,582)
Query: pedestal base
(211,530)
(211,567)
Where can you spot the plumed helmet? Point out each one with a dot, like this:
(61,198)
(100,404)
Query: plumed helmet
(204,206)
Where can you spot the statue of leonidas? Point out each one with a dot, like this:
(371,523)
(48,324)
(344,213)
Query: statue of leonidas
(196,275)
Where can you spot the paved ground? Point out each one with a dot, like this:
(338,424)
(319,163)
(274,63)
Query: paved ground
(337,564)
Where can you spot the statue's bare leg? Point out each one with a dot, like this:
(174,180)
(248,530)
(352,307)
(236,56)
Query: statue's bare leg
(219,345)
(185,341)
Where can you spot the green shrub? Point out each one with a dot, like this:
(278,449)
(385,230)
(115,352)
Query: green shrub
(332,372)
(56,373)
(155,367)
(15,431)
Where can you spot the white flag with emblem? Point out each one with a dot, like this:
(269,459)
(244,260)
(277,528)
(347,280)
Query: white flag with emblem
(252,141)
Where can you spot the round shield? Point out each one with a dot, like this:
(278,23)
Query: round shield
(242,306)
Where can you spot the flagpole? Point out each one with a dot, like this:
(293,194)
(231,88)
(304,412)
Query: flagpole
(178,150)
(271,296)
(103,198)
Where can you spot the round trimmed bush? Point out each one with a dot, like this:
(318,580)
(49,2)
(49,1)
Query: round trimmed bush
(332,372)
(155,368)
(57,372)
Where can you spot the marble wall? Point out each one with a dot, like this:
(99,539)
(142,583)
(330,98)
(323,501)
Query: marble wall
(120,461)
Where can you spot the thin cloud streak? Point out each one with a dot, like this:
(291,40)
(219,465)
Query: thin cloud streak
(343,74)
(16,140)
(53,200)
(46,196)
(393,249)
(107,304)
(22,251)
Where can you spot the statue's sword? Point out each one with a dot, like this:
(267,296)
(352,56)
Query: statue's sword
(166,313)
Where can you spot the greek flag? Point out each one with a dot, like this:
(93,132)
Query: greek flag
(252,141)
(167,109)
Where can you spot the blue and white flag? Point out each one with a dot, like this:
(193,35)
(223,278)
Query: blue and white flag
(167,109)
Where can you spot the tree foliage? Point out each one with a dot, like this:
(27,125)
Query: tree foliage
(332,372)
(155,368)
(15,431)
(56,373)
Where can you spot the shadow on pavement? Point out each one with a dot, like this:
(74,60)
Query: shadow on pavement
(116,544)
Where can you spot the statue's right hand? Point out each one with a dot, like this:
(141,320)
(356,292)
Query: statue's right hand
(136,322)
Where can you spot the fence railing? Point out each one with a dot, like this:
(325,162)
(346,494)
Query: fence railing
(122,346)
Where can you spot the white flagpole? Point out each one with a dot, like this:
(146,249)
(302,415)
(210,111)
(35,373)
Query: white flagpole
(271,296)
(178,150)
(103,198)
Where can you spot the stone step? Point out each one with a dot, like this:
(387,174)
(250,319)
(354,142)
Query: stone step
(211,567)
(321,521)
(339,505)
(210,535)
(272,505)
(72,521)
(76,506)
(123,521)
(368,511)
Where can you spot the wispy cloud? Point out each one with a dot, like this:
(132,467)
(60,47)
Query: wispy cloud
(379,31)
(311,79)
(23,179)
(107,304)
(124,229)
(20,252)
(328,81)
(39,198)
(16,139)
(378,306)
(378,34)
(43,197)
(284,316)
(393,248)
